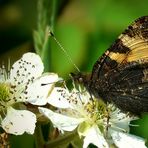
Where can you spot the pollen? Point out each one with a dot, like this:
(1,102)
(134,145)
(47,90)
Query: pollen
(96,110)
(4,92)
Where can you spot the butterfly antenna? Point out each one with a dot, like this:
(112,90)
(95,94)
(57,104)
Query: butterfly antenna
(67,55)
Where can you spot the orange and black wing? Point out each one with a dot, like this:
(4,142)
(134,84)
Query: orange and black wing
(122,70)
(131,46)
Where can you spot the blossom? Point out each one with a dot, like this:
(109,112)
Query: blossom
(100,124)
(15,121)
(23,83)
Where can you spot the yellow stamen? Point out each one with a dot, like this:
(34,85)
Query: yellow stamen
(4,92)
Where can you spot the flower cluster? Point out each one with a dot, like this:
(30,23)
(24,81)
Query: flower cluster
(98,123)
(21,84)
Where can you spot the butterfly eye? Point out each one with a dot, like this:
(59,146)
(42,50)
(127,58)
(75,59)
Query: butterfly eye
(80,79)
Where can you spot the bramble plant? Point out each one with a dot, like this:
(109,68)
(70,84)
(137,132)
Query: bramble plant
(37,101)
(95,122)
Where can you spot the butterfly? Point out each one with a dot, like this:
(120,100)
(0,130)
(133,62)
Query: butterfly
(120,75)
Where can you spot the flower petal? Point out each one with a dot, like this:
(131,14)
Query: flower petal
(26,69)
(62,122)
(37,92)
(94,136)
(19,121)
(82,95)
(123,140)
(119,120)
(58,98)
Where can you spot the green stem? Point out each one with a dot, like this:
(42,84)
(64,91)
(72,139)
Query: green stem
(54,14)
(47,10)
(61,140)
(39,140)
(46,52)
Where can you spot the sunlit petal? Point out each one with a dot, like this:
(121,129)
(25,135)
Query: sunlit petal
(124,140)
(26,69)
(58,98)
(19,121)
(62,122)
(37,93)
(94,136)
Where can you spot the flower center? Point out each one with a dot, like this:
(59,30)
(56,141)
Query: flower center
(4,92)
(96,110)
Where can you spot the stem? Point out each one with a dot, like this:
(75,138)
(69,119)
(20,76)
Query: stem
(46,52)
(47,10)
(53,15)
(39,140)
(61,140)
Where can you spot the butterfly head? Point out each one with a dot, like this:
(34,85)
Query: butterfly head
(81,78)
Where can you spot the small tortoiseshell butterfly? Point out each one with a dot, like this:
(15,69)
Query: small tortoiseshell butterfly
(120,75)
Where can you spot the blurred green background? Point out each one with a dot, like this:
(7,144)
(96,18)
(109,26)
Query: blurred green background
(85,28)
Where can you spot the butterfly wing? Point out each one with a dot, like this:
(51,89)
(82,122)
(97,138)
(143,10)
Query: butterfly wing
(128,88)
(123,69)
(131,46)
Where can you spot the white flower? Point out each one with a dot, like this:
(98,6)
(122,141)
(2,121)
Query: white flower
(123,140)
(100,124)
(23,83)
(18,121)
(118,130)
